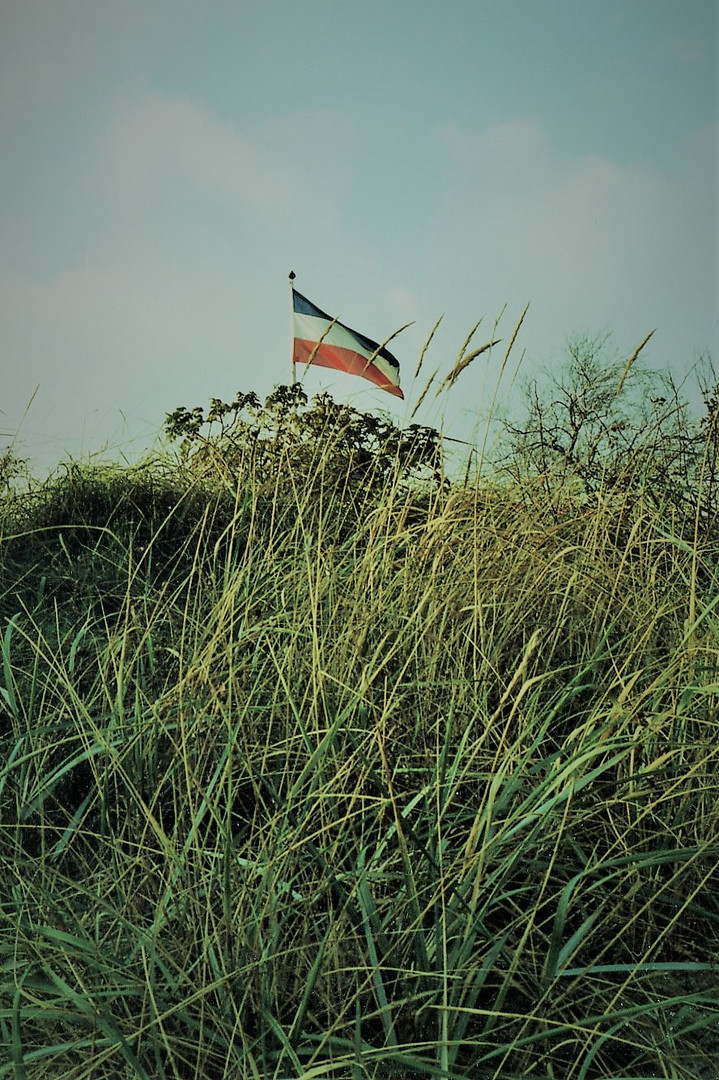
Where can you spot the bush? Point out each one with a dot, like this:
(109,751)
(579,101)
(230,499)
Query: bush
(324,441)
(605,427)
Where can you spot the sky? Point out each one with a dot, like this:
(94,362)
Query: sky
(166,163)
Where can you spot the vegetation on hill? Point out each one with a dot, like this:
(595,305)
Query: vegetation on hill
(317,762)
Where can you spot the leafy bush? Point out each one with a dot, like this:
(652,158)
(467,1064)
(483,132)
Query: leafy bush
(324,441)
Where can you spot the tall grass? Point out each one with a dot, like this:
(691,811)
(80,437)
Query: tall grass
(299,782)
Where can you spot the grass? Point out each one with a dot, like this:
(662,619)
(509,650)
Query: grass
(304,780)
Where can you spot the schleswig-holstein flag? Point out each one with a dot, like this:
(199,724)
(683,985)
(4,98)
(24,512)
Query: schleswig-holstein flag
(322,340)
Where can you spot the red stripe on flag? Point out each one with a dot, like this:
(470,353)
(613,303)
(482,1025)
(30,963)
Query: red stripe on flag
(334,356)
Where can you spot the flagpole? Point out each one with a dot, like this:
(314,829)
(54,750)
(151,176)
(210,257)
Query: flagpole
(291,276)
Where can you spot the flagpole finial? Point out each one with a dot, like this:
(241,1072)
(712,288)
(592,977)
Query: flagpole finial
(292,275)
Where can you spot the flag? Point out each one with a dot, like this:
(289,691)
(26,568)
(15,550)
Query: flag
(322,340)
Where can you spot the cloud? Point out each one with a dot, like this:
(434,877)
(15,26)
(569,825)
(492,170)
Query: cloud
(559,222)
(174,139)
(589,241)
(689,48)
(177,178)
(296,165)
(404,305)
